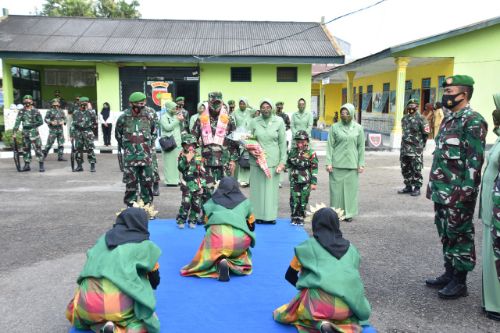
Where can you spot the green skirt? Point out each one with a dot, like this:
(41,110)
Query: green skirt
(344,185)
(170,172)
(264,193)
(243,174)
(491,284)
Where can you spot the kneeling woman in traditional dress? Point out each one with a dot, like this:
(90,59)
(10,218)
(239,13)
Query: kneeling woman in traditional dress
(331,295)
(228,237)
(115,287)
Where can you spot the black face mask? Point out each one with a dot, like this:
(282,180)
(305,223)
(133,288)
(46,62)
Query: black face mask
(138,108)
(449,100)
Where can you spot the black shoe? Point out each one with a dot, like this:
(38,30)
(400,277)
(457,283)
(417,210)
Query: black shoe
(109,327)
(61,159)
(258,221)
(493,315)
(200,222)
(44,152)
(441,280)
(349,219)
(406,190)
(172,185)
(26,167)
(268,222)
(40,167)
(223,269)
(79,168)
(156,189)
(92,167)
(327,327)
(415,192)
(453,290)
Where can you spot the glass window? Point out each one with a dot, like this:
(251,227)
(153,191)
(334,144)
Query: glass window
(387,86)
(441,80)
(286,74)
(241,74)
(369,89)
(426,83)
(408,85)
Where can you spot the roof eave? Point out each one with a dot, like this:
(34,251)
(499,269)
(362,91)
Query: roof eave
(172,58)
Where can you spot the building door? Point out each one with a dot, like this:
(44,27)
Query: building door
(426,93)
(190,91)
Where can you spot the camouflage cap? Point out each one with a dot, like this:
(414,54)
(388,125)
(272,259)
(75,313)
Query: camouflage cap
(413,101)
(279,102)
(188,139)
(458,80)
(180,98)
(84,99)
(231,102)
(27,97)
(301,135)
(135,97)
(54,101)
(214,95)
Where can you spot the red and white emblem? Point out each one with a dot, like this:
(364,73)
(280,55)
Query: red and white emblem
(375,139)
(158,88)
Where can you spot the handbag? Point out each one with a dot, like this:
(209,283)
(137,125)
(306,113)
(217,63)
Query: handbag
(244,160)
(168,143)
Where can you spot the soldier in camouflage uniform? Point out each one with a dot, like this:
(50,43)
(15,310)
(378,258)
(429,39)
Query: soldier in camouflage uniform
(192,183)
(31,120)
(232,105)
(55,119)
(156,174)
(454,184)
(82,131)
(134,131)
(185,113)
(302,163)
(219,160)
(415,133)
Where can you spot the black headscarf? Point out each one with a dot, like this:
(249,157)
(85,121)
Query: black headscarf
(326,230)
(131,226)
(228,194)
(105,111)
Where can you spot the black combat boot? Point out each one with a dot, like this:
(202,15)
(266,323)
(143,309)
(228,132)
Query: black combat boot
(406,190)
(79,167)
(156,189)
(45,152)
(456,288)
(61,159)
(442,280)
(92,167)
(26,166)
(415,192)
(41,168)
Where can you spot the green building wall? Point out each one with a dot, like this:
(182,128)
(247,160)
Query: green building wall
(217,77)
(476,54)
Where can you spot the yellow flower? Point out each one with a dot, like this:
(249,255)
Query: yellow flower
(204,118)
(224,118)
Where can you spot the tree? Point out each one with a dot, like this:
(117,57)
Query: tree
(89,8)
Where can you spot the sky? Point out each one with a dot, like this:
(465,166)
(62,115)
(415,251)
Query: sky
(390,23)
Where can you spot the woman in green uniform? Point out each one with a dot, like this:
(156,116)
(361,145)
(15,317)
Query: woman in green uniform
(269,131)
(345,160)
(490,215)
(242,117)
(171,125)
(302,120)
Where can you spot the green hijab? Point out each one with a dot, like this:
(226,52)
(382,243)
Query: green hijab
(352,112)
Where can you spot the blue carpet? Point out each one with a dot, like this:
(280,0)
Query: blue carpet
(245,304)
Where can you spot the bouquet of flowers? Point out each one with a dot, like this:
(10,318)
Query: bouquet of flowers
(252,146)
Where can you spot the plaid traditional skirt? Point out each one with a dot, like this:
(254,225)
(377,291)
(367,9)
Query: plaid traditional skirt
(310,307)
(221,241)
(97,301)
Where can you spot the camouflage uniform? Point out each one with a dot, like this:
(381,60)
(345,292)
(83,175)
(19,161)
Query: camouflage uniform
(134,133)
(55,131)
(303,171)
(84,121)
(454,183)
(216,158)
(31,120)
(185,123)
(415,133)
(156,174)
(192,184)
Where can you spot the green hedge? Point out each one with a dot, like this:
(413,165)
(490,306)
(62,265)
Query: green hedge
(7,138)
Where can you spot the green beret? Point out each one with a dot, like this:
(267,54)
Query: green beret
(215,95)
(458,80)
(180,98)
(231,102)
(135,97)
(169,105)
(27,97)
(413,101)
(279,102)
(84,99)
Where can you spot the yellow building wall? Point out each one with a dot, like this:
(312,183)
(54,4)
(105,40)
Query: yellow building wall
(333,92)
